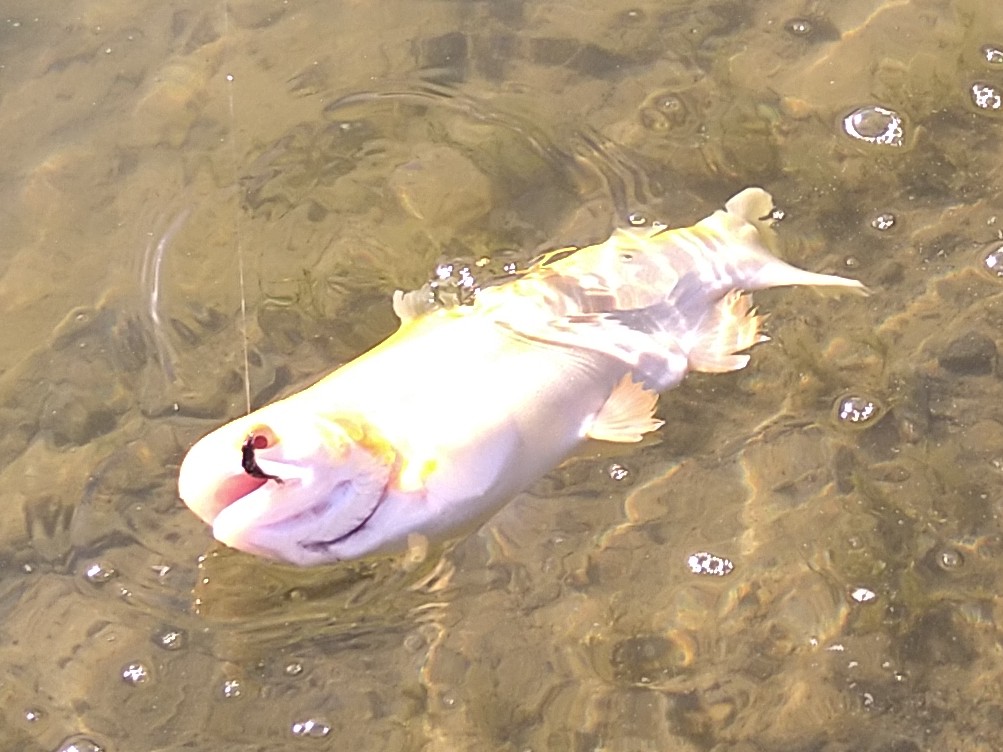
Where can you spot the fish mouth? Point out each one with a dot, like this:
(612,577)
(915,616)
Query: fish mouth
(208,493)
(267,522)
(236,487)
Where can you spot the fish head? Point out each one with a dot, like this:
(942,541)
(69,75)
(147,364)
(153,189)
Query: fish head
(286,484)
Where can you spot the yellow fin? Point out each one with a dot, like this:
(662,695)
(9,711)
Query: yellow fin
(627,414)
(731,327)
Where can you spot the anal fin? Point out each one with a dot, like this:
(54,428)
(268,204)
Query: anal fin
(731,327)
(627,414)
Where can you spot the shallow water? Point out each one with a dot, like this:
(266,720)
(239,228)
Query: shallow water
(848,481)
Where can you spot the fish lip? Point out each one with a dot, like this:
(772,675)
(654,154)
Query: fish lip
(255,484)
(223,496)
(210,499)
(241,500)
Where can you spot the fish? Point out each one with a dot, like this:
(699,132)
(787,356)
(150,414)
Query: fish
(433,430)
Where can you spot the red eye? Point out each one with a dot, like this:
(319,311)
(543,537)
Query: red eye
(258,439)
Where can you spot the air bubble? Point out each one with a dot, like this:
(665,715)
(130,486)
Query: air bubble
(80,744)
(950,559)
(670,104)
(33,715)
(986,97)
(457,282)
(170,638)
(637,219)
(875,125)
(993,261)
(294,669)
(135,674)
(98,573)
(862,595)
(884,221)
(311,728)
(706,563)
(799,27)
(856,411)
(618,472)
(664,111)
(992,54)
(232,689)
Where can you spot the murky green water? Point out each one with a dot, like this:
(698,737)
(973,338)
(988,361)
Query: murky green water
(342,150)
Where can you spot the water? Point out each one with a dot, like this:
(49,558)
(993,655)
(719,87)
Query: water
(347,150)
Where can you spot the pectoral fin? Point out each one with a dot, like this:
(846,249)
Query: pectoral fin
(410,305)
(731,326)
(627,415)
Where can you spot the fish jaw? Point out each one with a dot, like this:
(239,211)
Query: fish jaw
(315,486)
(264,522)
(211,478)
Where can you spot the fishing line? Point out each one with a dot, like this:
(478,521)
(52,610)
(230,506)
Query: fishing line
(236,216)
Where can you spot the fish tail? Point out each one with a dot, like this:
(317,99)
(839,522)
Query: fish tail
(745,229)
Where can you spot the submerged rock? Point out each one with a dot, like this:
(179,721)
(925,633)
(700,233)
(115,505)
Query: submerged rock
(971,354)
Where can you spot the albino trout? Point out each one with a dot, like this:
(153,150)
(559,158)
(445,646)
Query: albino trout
(438,426)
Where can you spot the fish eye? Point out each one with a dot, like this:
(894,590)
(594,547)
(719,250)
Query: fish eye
(258,441)
(255,441)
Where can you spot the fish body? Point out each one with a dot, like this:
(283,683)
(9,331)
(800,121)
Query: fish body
(435,428)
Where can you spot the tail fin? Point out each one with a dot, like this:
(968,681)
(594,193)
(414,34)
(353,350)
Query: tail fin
(755,206)
(752,207)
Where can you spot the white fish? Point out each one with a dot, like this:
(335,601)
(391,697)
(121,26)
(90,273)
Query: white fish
(438,426)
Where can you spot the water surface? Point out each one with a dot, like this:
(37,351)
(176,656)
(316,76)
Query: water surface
(847,483)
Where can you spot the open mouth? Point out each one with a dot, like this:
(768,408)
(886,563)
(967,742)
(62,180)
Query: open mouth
(274,519)
(237,487)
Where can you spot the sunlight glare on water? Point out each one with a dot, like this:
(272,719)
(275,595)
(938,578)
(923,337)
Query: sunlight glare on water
(80,744)
(993,261)
(986,96)
(884,221)
(992,54)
